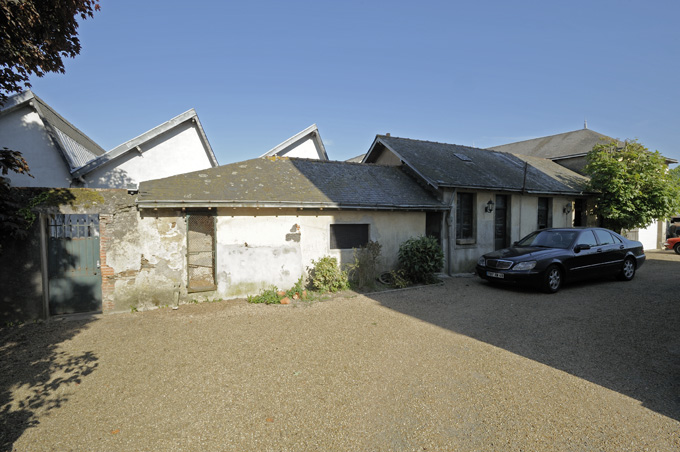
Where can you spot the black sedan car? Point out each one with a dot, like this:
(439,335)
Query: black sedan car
(549,257)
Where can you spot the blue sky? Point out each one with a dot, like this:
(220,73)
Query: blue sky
(477,73)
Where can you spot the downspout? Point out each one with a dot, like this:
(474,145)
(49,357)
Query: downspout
(449,234)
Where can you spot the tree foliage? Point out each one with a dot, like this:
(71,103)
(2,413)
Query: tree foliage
(35,36)
(634,185)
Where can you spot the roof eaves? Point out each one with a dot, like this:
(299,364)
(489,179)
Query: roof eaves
(378,139)
(151,204)
(17,101)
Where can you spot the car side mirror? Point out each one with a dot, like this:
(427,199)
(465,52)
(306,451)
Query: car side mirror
(581,247)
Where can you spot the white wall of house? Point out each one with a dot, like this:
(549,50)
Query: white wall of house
(179,150)
(257,249)
(523,213)
(23,130)
(306,148)
(651,236)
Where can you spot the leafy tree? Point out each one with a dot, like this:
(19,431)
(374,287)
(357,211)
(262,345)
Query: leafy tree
(634,185)
(35,36)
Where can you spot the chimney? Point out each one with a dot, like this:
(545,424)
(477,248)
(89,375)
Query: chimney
(387,134)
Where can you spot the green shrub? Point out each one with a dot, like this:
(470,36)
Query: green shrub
(420,258)
(267,296)
(326,276)
(364,270)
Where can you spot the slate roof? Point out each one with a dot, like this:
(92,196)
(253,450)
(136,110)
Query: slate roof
(290,182)
(569,144)
(449,165)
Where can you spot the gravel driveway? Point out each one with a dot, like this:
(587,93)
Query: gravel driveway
(459,366)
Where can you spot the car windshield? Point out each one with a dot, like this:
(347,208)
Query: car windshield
(549,239)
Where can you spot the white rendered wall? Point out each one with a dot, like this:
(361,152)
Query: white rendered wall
(176,151)
(23,130)
(305,149)
(256,250)
(649,236)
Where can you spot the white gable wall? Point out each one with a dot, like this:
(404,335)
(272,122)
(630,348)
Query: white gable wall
(23,130)
(305,149)
(176,151)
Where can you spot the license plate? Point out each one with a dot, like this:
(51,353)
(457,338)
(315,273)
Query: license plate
(495,275)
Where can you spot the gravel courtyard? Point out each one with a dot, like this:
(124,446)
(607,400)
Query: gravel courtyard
(459,366)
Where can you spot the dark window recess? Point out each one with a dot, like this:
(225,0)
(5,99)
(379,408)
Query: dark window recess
(347,236)
(544,213)
(464,216)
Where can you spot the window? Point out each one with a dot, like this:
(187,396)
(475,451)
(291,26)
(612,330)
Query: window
(348,236)
(587,238)
(465,219)
(604,237)
(544,213)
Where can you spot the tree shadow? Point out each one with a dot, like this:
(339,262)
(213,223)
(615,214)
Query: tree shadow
(36,376)
(622,336)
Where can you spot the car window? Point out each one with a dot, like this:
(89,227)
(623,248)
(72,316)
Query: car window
(617,239)
(548,239)
(587,238)
(604,237)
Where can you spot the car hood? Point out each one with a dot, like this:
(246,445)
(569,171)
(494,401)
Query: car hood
(525,252)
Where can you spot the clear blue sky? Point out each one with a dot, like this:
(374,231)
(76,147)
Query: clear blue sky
(476,73)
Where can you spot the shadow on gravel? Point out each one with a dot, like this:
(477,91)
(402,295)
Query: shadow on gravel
(622,336)
(35,376)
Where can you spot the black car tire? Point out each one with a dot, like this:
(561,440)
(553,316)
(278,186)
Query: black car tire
(627,270)
(552,279)
(676,248)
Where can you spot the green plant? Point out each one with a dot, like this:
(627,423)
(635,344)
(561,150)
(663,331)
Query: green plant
(326,276)
(364,270)
(133,308)
(267,296)
(420,258)
(399,279)
(298,288)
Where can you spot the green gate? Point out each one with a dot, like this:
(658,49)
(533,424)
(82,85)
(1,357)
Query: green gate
(74,277)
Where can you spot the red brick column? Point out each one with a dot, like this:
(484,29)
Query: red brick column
(108,281)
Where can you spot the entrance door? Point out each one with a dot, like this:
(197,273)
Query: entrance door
(74,279)
(201,252)
(501,228)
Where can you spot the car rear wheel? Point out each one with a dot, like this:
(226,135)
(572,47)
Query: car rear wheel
(552,279)
(676,248)
(628,269)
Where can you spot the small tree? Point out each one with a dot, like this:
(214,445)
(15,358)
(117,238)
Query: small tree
(12,224)
(633,184)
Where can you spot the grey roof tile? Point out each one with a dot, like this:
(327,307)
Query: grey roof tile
(291,182)
(451,165)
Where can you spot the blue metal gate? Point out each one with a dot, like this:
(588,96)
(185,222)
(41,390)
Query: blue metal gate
(74,277)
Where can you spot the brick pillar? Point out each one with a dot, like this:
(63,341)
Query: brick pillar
(108,282)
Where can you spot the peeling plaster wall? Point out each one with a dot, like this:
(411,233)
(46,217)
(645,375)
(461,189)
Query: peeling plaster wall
(147,258)
(260,248)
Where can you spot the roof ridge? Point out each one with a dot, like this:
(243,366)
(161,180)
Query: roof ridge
(434,142)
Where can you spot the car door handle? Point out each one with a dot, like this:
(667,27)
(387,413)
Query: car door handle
(599,250)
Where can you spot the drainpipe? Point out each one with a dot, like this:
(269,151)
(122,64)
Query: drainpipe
(451,239)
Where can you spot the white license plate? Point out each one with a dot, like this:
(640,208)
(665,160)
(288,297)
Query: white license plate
(495,275)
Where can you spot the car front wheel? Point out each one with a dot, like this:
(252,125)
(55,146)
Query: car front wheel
(552,279)
(676,248)
(628,270)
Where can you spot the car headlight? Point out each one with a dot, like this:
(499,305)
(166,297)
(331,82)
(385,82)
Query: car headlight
(528,265)
(481,262)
